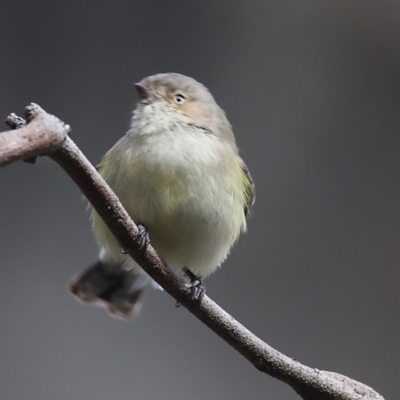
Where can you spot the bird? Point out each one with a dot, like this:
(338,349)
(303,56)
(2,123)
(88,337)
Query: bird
(179,175)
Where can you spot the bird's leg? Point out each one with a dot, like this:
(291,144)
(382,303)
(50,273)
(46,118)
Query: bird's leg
(196,286)
(142,241)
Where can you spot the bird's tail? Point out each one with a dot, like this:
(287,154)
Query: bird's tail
(119,290)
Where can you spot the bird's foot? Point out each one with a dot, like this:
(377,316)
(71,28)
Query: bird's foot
(196,286)
(142,240)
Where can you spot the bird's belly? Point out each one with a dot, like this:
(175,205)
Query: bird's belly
(188,226)
(183,198)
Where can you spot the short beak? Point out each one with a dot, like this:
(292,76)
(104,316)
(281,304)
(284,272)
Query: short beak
(144,92)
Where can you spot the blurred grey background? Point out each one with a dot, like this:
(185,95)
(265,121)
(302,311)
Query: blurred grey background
(312,90)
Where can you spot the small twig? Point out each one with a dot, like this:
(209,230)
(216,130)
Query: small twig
(45,134)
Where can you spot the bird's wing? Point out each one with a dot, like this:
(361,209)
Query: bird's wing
(249,189)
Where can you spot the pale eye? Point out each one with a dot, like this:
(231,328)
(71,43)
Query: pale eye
(179,98)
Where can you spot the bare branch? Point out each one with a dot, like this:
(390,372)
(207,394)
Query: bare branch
(45,134)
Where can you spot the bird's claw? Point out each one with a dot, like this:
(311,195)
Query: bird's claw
(196,285)
(142,240)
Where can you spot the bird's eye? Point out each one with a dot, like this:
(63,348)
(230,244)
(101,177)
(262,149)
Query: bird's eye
(179,98)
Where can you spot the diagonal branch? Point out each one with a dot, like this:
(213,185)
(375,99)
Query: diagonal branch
(45,134)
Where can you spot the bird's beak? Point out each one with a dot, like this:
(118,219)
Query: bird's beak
(145,93)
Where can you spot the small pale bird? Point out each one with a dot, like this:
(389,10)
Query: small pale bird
(177,172)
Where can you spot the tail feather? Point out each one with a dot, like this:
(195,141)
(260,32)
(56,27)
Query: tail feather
(118,290)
